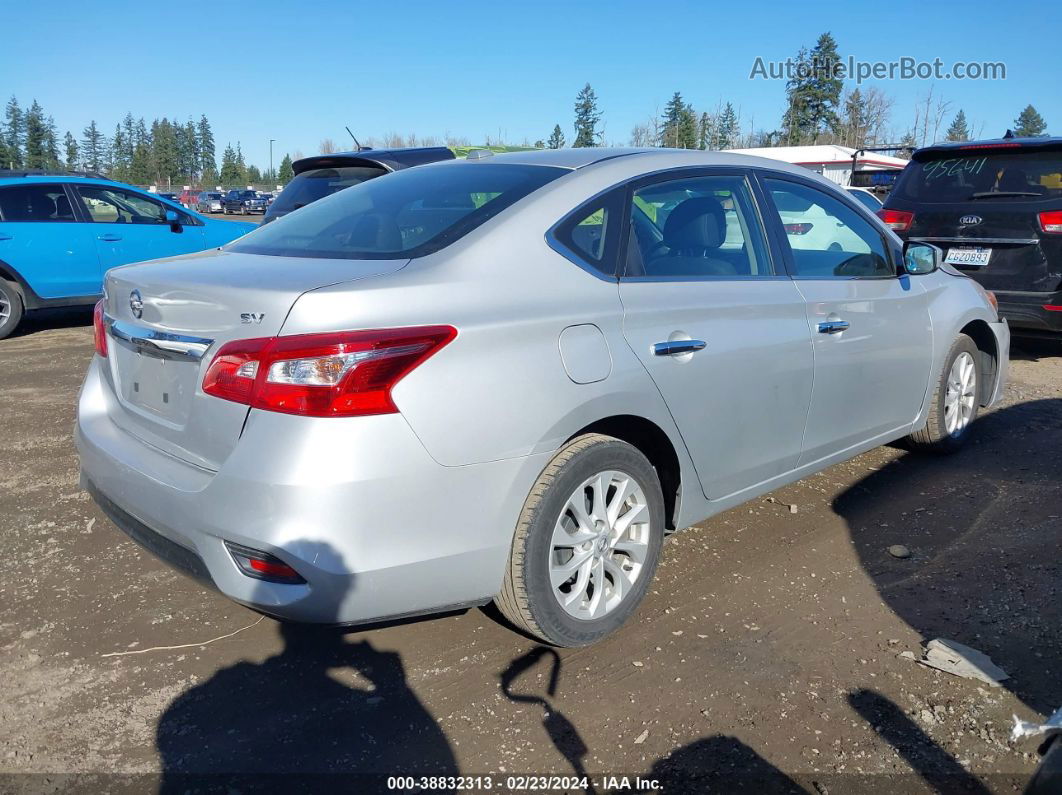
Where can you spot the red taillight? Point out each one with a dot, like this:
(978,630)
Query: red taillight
(1051,222)
(797,229)
(99,332)
(1053,308)
(897,220)
(343,374)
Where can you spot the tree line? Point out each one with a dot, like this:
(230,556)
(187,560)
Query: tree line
(818,110)
(165,152)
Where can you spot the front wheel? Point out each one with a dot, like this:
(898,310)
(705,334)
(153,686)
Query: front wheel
(956,398)
(10,308)
(586,545)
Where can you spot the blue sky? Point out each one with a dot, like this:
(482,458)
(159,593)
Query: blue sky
(262,70)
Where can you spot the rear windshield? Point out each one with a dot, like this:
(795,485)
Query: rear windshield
(309,186)
(1008,176)
(410,213)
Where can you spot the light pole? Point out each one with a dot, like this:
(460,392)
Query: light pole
(272,176)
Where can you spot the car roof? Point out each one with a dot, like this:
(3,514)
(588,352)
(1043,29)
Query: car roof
(1040,143)
(390,159)
(21,177)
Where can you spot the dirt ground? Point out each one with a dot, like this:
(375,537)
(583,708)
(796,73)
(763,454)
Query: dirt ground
(767,658)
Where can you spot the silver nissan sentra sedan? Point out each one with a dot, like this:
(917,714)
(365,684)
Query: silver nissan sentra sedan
(509,377)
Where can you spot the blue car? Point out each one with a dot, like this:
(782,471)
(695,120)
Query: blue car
(60,234)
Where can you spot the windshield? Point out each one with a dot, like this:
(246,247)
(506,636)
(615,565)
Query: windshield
(1010,176)
(407,214)
(309,186)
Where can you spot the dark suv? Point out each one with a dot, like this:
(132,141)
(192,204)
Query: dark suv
(323,175)
(995,207)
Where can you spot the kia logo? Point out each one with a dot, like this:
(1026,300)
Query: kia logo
(970,220)
(136,304)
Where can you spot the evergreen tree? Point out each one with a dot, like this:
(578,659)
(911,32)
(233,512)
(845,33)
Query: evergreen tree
(120,156)
(556,138)
(5,161)
(241,165)
(958,131)
(192,159)
(1030,124)
(726,134)
(51,145)
(70,144)
(706,132)
(814,93)
(36,137)
(670,121)
(254,176)
(205,148)
(14,133)
(92,143)
(164,149)
(587,117)
(286,174)
(687,131)
(230,171)
(141,163)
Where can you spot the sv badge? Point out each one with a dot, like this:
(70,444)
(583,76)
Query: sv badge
(251,317)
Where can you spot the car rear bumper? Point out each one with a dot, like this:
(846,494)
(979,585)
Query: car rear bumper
(1027,312)
(356,506)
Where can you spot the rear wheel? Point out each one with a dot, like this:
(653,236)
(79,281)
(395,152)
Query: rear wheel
(586,545)
(956,398)
(11,308)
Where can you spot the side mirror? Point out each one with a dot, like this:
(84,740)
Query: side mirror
(174,221)
(921,258)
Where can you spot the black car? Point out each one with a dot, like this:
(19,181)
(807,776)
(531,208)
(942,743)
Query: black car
(995,208)
(243,202)
(323,175)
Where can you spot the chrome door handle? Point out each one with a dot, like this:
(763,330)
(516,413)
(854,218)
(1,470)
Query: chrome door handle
(110,238)
(833,326)
(676,347)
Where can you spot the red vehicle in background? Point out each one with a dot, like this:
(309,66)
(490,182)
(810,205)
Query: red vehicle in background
(188,198)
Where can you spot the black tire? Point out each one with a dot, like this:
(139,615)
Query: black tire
(527,599)
(934,435)
(12,299)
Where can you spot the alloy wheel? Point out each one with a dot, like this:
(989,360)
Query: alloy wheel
(599,546)
(959,398)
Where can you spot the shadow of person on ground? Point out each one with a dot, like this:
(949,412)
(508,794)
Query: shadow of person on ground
(299,713)
(562,732)
(983,527)
(931,762)
(720,764)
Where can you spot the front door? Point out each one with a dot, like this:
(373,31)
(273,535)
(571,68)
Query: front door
(131,227)
(871,327)
(719,326)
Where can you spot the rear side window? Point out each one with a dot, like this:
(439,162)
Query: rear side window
(1010,176)
(410,213)
(35,203)
(828,239)
(309,186)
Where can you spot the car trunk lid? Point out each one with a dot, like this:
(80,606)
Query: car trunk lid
(166,319)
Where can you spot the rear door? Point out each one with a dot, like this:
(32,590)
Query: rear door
(982,206)
(871,329)
(46,243)
(130,227)
(718,324)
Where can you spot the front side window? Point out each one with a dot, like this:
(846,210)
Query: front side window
(35,203)
(696,227)
(407,214)
(829,239)
(115,206)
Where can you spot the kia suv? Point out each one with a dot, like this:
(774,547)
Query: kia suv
(995,207)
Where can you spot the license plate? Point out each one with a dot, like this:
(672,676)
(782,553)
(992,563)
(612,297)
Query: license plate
(970,257)
(154,386)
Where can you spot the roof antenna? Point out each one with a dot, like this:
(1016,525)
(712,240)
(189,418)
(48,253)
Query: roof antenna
(1008,134)
(357,143)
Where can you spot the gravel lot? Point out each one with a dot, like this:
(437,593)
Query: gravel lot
(769,650)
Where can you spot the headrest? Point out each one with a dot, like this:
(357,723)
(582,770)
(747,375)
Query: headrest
(698,223)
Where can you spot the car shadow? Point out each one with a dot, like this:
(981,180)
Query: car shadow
(332,710)
(983,527)
(1033,349)
(46,319)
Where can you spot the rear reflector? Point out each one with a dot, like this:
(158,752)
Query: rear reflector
(345,374)
(897,220)
(263,566)
(1051,222)
(99,332)
(797,229)
(1053,308)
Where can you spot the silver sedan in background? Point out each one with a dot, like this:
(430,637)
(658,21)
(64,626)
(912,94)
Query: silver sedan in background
(508,378)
